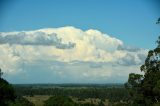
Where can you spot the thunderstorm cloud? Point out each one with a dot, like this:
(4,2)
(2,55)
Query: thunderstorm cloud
(67,54)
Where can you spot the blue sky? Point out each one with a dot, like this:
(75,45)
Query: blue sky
(75,41)
(131,21)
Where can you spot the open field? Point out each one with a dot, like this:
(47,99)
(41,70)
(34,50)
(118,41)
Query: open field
(94,101)
(38,100)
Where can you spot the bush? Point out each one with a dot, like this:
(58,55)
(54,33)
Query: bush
(59,101)
(6,92)
(20,101)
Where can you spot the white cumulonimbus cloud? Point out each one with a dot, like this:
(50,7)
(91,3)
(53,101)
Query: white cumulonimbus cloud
(65,53)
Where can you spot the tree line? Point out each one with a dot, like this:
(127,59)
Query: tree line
(113,94)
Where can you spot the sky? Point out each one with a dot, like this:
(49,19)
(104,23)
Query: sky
(75,41)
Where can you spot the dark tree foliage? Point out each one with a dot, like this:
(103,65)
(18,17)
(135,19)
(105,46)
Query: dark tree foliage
(145,89)
(6,92)
(59,101)
(101,103)
(1,73)
(8,97)
(20,101)
(113,94)
(64,101)
(158,21)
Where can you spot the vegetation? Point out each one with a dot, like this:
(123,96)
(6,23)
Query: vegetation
(20,101)
(144,89)
(62,95)
(111,93)
(8,97)
(82,96)
(6,91)
(59,101)
(37,100)
(67,101)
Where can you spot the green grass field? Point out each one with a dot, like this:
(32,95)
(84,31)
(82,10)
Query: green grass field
(38,100)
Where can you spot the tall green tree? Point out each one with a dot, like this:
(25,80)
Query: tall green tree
(1,73)
(6,92)
(144,89)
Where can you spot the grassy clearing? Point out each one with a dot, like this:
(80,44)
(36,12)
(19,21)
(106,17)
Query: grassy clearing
(95,101)
(38,100)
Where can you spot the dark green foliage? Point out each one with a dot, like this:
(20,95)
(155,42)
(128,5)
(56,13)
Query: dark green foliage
(59,101)
(64,101)
(119,104)
(101,103)
(6,92)
(1,73)
(86,104)
(8,97)
(20,101)
(113,94)
(158,21)
(145,89)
